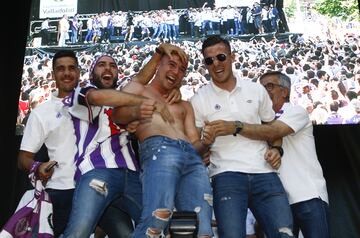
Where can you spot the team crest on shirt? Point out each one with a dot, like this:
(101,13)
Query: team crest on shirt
(217,107)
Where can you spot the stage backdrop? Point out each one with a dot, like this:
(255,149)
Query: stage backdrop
(337,146)
(98,6)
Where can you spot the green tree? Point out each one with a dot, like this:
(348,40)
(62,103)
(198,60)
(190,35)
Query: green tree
(290,8)
(345,9)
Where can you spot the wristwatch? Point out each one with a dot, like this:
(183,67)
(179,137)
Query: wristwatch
(279,148)
(238,127)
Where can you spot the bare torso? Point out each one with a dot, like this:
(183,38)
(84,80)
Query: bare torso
(157,126)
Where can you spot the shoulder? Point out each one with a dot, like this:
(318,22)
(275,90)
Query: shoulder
(133,87)
(296,109)
(295,114)
(250,84)
(44,107)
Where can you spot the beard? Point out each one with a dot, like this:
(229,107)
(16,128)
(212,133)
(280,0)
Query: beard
(97,82)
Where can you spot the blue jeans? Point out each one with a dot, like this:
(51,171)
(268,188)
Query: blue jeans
(61,201)
(173,176)
(114,222)
(312,218)
(263,193)
(95,190)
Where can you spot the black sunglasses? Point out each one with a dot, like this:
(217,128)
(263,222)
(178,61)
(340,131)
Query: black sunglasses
(219,57)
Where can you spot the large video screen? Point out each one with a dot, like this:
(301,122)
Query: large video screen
(320,54)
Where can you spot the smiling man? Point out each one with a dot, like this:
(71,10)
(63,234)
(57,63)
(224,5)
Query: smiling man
(242,167)
(173,174)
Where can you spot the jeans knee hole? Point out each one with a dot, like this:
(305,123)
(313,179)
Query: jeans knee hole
(286,230)
(99,186)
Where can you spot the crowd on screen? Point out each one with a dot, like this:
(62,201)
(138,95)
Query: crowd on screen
(164,24)
(324,69)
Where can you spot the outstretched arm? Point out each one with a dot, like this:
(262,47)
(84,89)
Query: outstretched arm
(112,98)
(268,132)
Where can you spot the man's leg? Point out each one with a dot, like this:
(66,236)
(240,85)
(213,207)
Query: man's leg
(93,193)
(61,201)
(230,191)
(116,223)
(270,206)
(161,164)
(194,192)
(311,217)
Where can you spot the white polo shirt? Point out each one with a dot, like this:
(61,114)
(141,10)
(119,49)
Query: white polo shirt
(300,171)
(248,102)
(51,125)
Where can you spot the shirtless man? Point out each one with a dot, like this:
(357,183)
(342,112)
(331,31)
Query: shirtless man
(173,174)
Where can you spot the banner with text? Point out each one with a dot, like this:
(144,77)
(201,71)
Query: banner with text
(57,8)
(234,3)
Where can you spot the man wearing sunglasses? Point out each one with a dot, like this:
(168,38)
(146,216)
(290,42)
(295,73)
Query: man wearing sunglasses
(242,169)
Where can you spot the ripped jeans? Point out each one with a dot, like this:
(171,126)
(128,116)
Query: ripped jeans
(95,190)
(263,193)
(173,176)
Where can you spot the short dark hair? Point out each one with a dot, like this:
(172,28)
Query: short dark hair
(351,95)
(213,40)
(64,53)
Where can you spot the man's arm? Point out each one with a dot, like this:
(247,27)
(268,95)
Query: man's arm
(203,142)
(139,107)
(112,98)
(270,132)
(26,162)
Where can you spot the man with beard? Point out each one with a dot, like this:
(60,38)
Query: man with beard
(106,165)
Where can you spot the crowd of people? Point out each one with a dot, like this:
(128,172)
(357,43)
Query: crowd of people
(221,127)
(164,24)
(234,145)
(325,73)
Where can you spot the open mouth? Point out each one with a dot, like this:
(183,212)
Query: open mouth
(107,77)
(171,79)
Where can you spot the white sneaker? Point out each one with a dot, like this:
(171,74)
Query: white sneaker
(85,42)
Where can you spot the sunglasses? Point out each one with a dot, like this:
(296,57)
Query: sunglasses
(271,86)
(219,57)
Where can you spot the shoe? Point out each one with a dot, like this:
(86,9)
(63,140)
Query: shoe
(85,42)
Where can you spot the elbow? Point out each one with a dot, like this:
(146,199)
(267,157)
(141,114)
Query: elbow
(19,165)
(122,115)
(117,116)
